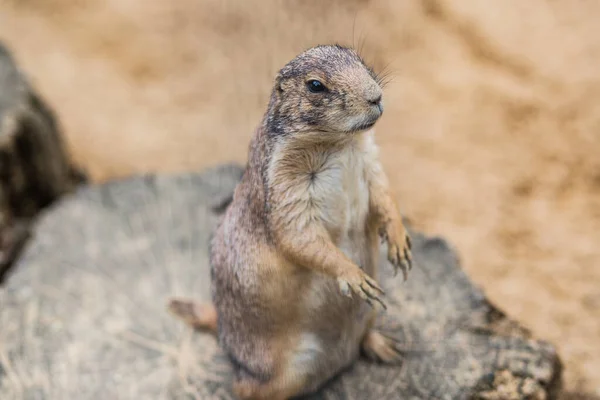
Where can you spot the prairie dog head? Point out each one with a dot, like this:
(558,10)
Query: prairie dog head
(325,90)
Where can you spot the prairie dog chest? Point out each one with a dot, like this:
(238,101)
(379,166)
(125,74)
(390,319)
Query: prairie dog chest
(315,181)
(339,190)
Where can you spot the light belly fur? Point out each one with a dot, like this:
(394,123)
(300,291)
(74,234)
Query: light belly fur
(344,200)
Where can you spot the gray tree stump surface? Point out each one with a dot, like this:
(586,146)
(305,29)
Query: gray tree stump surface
(83,315)
(34,165)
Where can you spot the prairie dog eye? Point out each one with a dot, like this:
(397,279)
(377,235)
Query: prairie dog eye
(315,86)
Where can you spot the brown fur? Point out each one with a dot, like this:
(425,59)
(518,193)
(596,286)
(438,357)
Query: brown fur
(294,261)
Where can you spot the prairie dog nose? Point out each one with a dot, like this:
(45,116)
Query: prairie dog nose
(372,92)
(374,95)
(375,99)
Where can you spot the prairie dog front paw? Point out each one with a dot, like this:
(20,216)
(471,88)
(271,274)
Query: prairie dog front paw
(357,281)
(399,246)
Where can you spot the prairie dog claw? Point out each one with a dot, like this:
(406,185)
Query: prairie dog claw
(358,282)
(399,245)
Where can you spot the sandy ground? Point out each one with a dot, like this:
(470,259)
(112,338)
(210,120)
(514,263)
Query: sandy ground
(491,134)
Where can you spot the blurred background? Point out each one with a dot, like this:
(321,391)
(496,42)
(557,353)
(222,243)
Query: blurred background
(491,135)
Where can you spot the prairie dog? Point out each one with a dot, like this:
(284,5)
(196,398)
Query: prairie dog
(294,259)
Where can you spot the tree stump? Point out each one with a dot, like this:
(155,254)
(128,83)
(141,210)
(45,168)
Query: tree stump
(84,315)
(34,166)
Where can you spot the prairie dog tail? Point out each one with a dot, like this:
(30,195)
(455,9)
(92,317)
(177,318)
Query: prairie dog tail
(201,316)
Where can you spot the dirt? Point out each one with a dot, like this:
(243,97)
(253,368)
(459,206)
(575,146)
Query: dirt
(491,134)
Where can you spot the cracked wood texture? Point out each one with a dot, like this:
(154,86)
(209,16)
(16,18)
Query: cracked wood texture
(34,165)
(84,314)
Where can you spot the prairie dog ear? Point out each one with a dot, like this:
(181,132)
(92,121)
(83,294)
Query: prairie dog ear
(283,83)
(279,83)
